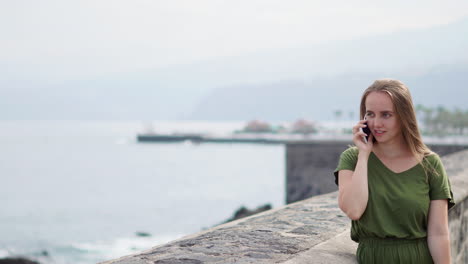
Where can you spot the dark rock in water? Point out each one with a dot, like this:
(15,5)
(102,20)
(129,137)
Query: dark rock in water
(142,234)
(17,261)
(244,212)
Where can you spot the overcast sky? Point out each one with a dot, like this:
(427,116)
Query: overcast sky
(77,39)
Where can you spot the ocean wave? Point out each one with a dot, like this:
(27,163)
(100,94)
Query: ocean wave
(88,252)
(119,247)
(4,253)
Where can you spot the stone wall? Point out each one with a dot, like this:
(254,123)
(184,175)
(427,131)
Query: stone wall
(310,166)
(309,231)
(457,169)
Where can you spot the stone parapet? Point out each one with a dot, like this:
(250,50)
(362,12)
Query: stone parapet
(274,236)
(309,231)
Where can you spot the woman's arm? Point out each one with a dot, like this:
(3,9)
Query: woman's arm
(353,192)
(437,232)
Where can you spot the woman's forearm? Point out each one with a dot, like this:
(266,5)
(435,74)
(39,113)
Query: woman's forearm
(439,246)
(355,196)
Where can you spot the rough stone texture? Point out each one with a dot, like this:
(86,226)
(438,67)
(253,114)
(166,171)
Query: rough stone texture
(456,167)
(309,231)
(310,166)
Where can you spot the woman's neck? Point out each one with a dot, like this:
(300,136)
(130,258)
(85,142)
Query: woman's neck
(391,149)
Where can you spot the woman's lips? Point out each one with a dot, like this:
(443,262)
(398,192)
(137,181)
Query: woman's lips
(378,132)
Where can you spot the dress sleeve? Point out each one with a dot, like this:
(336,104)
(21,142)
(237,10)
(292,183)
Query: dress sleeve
(439,182)
(348,160)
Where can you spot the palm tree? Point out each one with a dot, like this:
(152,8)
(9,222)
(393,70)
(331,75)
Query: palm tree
(338,114)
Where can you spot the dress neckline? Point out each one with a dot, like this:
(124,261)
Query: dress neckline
(387,168)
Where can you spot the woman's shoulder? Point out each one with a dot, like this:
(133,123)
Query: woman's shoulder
(350,153)
(433,164)
(351,150)
(433,159)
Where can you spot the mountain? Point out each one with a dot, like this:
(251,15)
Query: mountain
(318,99)
(331,77)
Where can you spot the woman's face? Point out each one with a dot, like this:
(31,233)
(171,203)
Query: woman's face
(382,119)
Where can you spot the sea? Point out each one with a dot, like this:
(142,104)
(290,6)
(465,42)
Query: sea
(82,192)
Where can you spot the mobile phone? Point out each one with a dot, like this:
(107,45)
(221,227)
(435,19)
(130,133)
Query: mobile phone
(365,130)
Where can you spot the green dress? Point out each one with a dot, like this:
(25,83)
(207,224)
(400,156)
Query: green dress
(393,228)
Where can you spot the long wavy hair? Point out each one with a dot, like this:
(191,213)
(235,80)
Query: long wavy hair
(404,108)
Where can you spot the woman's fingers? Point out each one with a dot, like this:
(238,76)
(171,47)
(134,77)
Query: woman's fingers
(359,137)
(357,128)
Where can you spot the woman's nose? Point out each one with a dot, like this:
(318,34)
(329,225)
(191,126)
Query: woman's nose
(377,122)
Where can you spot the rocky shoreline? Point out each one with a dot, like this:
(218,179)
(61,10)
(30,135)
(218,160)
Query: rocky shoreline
(17,261)
(240,213)
(244,212)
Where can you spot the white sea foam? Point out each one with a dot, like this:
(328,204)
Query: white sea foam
(90,252)
(4,253)
(121,246)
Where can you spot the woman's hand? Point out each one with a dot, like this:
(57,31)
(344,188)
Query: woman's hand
(358,138)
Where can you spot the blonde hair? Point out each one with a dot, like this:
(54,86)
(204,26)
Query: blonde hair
(404,109)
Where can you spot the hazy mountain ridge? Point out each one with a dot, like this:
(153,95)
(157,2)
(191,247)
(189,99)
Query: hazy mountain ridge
(318,99)
(432,62)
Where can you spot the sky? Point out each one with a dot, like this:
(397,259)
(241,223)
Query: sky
(66,40)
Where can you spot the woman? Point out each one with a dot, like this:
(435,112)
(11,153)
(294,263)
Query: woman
(394,188)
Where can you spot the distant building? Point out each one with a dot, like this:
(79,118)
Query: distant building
(303,126)
(257,126)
